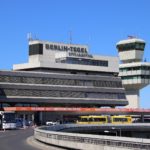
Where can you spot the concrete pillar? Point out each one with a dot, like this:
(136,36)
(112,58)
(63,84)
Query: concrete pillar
(133,98)
(61,118)
(32,117)
(41,117)
(142,118)
(24,120)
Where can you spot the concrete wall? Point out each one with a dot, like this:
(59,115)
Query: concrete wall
(133,99)
(90,142)
(131,55)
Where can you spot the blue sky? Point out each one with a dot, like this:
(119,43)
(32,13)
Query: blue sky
(98,23)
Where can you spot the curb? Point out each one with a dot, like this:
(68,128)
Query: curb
(41,146)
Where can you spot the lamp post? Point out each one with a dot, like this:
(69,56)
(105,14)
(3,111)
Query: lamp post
(113,128)
(120,131)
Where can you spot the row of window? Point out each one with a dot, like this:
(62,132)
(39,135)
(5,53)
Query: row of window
(19,105)
(80,61)
(92,119)
(144,68)
(131,46)
(120,119)
(107,84)
(72,94)
(54,81)
(136,77)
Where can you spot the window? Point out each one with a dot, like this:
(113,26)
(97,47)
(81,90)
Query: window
(84,62)
(120,119)
(83,119)
(131,46)
(35,49)
(99,119)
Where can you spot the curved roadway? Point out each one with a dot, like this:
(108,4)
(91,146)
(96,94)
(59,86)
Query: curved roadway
(16,139)
(22,140)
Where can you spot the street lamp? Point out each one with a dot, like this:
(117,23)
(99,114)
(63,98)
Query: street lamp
(113,128)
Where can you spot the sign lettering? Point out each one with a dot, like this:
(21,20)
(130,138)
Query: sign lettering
(65,48)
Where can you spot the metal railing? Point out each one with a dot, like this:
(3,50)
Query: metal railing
(111,141)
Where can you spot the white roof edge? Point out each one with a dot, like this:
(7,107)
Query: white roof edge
(130,41)
(134,64)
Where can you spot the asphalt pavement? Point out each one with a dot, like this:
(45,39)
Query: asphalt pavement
(16,139)
(22,139)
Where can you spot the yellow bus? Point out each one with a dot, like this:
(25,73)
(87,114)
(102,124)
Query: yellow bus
(121,119)
(92,119)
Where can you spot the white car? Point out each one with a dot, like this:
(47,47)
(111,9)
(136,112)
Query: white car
(51,123)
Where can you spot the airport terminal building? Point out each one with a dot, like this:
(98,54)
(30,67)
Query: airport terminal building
(61,75)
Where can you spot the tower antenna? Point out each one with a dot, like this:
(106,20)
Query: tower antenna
(89,43)
(70,37)
(131,37)
(29,36)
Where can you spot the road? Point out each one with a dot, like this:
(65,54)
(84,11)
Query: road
(21,140)
(15,139)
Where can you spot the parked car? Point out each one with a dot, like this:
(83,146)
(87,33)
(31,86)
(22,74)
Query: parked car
(51,123)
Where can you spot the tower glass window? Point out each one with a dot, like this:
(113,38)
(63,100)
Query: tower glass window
(35,49)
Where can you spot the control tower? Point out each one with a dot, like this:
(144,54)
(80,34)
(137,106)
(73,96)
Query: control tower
(134,72)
